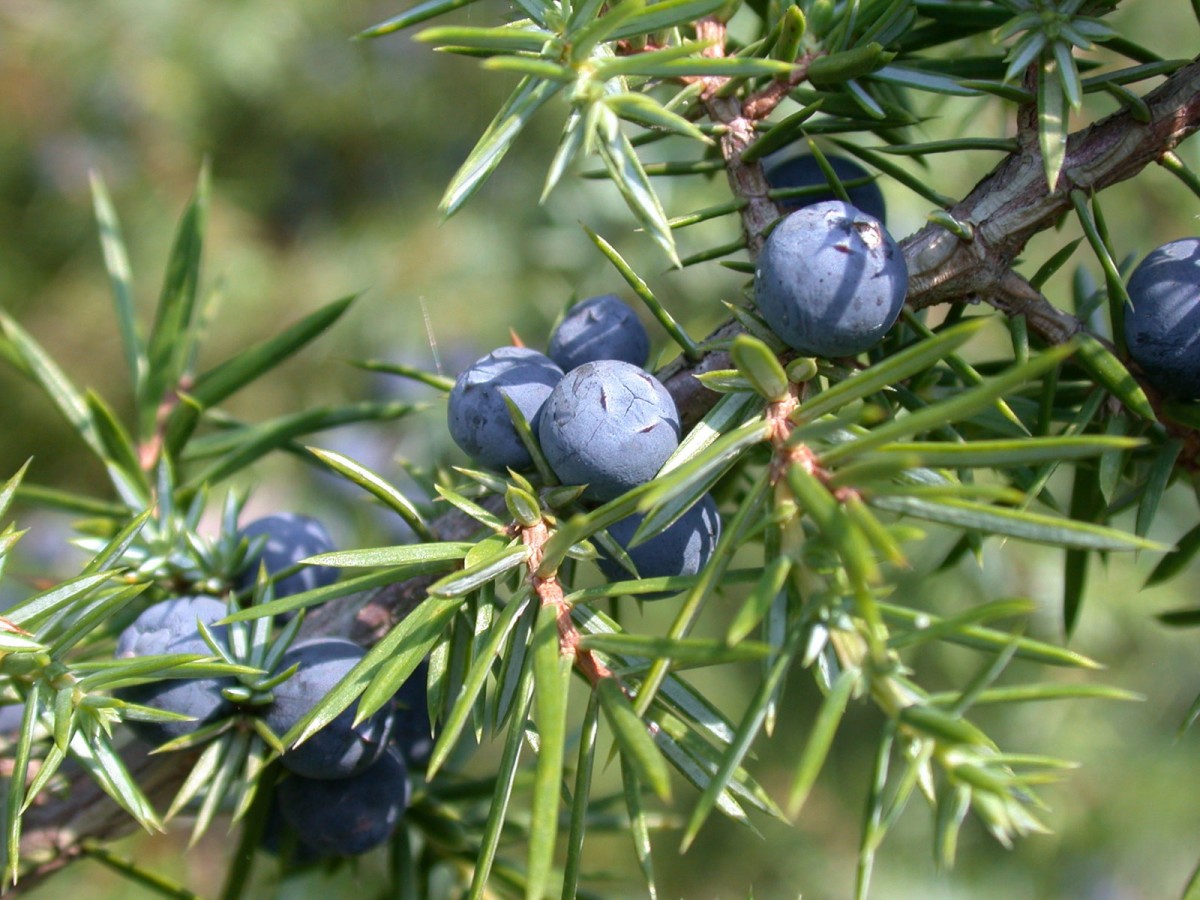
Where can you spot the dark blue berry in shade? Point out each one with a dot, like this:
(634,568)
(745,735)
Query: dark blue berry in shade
(478,416)
(830,280)
(172,627)
(603,327)
(281,840)
(340,749)
(608,425)
(1162,330)
(285,539)
(683,548)
(167,622)
(199,698)
(802,171)
(347,816)
(410,719)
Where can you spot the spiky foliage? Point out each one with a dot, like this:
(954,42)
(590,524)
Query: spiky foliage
(148,545)
(827,471)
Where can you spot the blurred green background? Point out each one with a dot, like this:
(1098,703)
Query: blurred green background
(328,158)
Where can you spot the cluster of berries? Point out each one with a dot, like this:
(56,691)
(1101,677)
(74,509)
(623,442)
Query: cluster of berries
(600,419)
(346,787)
(830,282)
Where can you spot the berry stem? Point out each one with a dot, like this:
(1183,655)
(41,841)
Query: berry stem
(549,592)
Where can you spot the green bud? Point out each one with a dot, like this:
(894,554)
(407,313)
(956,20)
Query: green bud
(237,693)
(582,550)
(820,17)
(802,370)
(961,230)
(724,381)
(558,497)
(523,506)
(521,481)
(759,365)
(791,34)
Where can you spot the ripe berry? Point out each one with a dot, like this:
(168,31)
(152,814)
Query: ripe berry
(608,425)
(830,280)
(478,416)
(170,627)
(601,327)
(683,548)
(167,622)
(199,698)
(340,749)
(281,840)
(346,816)
(290,537)
(802,171)
(1162,330)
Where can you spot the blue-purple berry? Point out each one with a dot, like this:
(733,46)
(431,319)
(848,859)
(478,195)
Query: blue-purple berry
(169,621)
(347,816)
(171,627)
(199,698)
(341,748)
(608,425)
(282,840)
(284,540)
(802,171)
(603,327)
(1162,329)
(683,548)
(830,280)
(478,417)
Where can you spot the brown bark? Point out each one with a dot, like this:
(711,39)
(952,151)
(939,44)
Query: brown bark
(1013,203)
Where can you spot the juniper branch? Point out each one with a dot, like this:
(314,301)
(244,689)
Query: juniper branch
(1006,209)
